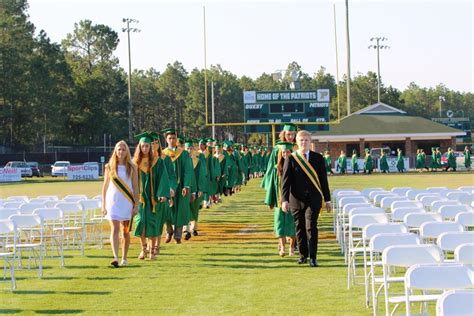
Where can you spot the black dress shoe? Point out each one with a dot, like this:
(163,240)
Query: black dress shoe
(302,260)
(187,236)
(313,263)
(195,233)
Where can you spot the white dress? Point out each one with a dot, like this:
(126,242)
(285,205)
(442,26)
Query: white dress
(117,206)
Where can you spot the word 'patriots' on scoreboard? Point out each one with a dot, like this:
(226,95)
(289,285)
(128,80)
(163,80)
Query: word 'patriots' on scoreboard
(294,106)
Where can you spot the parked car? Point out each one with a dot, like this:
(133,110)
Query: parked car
(59,168)
(24,168)
(459,159)
(36,172)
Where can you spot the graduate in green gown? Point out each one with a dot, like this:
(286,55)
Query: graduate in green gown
(245,160)
(438,158)
(238,172)
(154,188)
(383,163)
(214,172)
(342,162)
(219,155)
(467,158)
(255,162)
(420,161)
(433,164)
(328,161)
(182,168)
(229,169)
(451,160)
(199,187)
(368,162)
(400,161)
(211,181)
(284,223)
(354,162)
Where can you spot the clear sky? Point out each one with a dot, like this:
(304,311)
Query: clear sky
(431,42)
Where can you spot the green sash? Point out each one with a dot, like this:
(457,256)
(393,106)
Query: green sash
(309,171)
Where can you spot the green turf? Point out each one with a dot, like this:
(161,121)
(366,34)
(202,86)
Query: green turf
(232,268)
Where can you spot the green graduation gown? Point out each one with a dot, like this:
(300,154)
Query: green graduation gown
(342,163)
(467,159)
(420,161)
(383,163)
(368,163)
(355,165)
(400,162)
(200,183)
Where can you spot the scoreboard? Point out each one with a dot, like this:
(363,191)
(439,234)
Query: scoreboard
(295,106)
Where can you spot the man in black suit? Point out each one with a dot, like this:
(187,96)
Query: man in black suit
(304,187)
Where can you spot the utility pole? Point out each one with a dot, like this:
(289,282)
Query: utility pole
(348,47)
(378,47)
(129,29)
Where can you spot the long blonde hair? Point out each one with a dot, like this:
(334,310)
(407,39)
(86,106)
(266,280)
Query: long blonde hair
(113,161)
(138,156)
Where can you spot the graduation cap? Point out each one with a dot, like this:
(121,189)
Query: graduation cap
(218,146)
(188,143)
(203,141)
(168,131)
(285,145)
(227,143)
(145,137)
(210,140)
(154,136)
(181,137)
(290,127)
(367,150)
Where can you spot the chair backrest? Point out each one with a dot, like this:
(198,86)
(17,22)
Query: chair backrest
(6,227)
(366,210)
(348,207)
(436,205)
(398,214)
(366,192)
(411,194)
(374,193)
(467,188)
(379,242)
(439,276)
(464,253)
(459,195)
(417,219)
(397,204)
(340,195)
(49,197)
(428,200)
(361,220)
(450,211)
(5,213)
(434,229)
(89,204)
(82,196)
(378,197)
(389,228)
(408,255)
(27,220)
(466,219)
(18,198)
(455,303)
(423,194)
(387,201)
(50,214)
(50,203)
(97,197)
(450,240)
(69,207)
(28,208)
(402,191)
(74,199)
(13,204)
(38,200)
(352,199)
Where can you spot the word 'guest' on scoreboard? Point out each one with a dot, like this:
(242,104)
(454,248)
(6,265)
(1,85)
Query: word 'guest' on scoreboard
(286,106)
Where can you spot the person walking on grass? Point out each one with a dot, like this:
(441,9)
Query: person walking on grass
(400,161)
(451,160)
(383,163)
(354,162)
(154,188)
(342,162)
(467,158)
(119,198)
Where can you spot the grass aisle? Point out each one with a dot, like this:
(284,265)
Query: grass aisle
(232,267)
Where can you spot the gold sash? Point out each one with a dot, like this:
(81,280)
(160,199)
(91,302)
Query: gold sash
(173,154)
(122,187)
(309,171)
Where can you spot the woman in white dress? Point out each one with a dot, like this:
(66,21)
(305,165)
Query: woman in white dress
(120,198)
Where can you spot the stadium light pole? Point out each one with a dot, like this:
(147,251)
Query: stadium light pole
(441,99)
(378,47)
(129,29)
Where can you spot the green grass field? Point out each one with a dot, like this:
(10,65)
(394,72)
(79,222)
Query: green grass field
(231,268)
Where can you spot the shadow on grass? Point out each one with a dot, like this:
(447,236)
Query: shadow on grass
(263,261)
(59,278)
(87,292)
(225,254)
(104,278)
(34,292)
(9,311)
(81,267)
(253,267)
(59,311)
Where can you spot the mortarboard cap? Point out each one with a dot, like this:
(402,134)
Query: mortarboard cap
(290,127)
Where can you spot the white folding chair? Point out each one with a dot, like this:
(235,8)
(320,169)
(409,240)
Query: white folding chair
(387,201)
(53,226)
(378,243)
(5,213)
(367,233)
(415,220)
(428,200)
(74,198)
(337,194)
(449,212)
(366,192)
(18,198)
(94,221)
(8,237)
(402,191)
(461,196)
(13,204)
(28,208)
(466,219)
(38,200)
(436,205)
(467,188)
(398,214)
(426,193)
(48,197)
(411,194)
(413,204)
(464,253)
(342,220)
(29,237)
(74,225)
(449,241)
(432,278)
(378,197)
(455,303)
(430,231)
(357,222)
(374,193)
(404,256)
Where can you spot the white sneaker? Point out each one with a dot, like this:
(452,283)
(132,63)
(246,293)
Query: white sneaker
(124,262)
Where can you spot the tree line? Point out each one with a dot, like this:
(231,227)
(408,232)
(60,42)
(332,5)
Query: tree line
(74,92)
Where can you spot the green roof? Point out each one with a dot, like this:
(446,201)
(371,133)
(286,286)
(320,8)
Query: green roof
(385,124)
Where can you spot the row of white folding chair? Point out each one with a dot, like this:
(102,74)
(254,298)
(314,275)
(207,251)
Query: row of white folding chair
(53,227)
(432,278)
(342,218)
(436,205)
(8,236)
(335,199)
(455,302)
